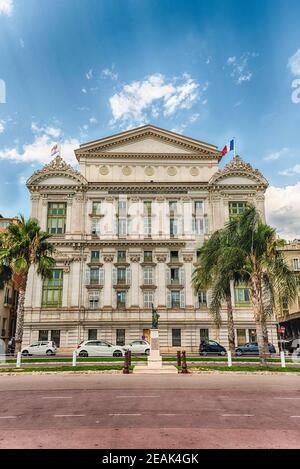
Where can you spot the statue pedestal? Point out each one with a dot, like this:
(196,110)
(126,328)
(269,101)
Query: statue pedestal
(155,364)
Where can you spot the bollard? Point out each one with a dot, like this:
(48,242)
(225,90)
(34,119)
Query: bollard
(282,359)
(18,364)
(126,364)
(229,358)
(74,358)
(184,365)
(178,358)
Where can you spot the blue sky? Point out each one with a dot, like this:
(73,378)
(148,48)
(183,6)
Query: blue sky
(77,70)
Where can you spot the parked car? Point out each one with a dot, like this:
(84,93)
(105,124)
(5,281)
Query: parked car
(138,347)
(211,347)
(99,348)
(40,348)
(251,348)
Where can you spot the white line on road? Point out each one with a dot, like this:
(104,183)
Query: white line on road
(292,398)
(57,397)
(295,416)
(167,415)
(8,417)
(69,415)
(116,415)
(237,415)
(131,397)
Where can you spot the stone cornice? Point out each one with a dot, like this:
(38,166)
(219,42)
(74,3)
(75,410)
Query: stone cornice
(203,155)
(77,244)
(238,167)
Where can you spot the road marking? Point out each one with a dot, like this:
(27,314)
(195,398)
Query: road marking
(167,415)
(117,415)
(131,397)
(295,416)
(57,397)
(237,415)
(286,398)
(69,415)
(8,417)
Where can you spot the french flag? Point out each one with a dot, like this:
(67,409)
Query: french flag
(229,147)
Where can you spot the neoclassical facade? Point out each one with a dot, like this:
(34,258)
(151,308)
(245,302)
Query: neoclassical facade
(126,228)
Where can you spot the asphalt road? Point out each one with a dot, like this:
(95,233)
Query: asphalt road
(134,411)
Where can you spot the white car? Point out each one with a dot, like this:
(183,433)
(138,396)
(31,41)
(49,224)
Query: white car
(40,348)
(138,347)
(99,348)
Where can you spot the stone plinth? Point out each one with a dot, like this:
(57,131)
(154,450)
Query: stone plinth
(154,364)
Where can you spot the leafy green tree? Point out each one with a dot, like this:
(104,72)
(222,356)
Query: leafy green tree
(22,246)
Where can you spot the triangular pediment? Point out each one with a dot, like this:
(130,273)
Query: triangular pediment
(148,140)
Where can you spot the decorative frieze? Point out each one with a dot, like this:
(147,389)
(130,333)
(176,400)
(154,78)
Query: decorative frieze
(161,257)
(134,257)
(108,257)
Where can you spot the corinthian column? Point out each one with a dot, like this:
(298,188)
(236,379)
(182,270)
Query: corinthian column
(161,280)
(108,289)
(134,287)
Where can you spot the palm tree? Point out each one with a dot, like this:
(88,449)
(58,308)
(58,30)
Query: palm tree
(219,267)
(271,281)
(23,245)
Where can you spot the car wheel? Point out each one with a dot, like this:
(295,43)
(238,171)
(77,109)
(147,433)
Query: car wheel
(147,352)
(239,353)
(204,354)
(83,353)
(25,353)
(49,352)
(223,353)
(117,353)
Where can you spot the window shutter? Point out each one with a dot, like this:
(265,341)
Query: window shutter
(101,276)
(114,275)
(168,276)
(169,300)
(182,275)
(87,276)
(128,276)
(182,299)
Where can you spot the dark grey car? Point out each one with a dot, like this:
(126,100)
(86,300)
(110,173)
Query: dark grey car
(251,348)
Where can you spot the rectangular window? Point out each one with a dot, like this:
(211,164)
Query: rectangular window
(176,337)
(252,335)
(198,207)
(147,226)
(242,296)
(174,271)
(148,299)
(148,275)
(96,208)
(121,299)
(173,227)
(174,256)
(148,256)
(200,225)
(172,207)
(95,226)
(94,276)
(7,299)
(122,226)
(121,275)
(204,334)
(92,334)
(122,205)
(296,264)
(236,208)
(175,299)
(147,208)
(95,256)
(43,335)
(52,289)
(241,336)
(94,299)
(202,298)
(121,257)
(56,223)
(120,337)
(55,337)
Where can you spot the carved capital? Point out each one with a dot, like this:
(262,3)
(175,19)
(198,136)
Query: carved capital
(134,258)
(108,257)
(161,257)
(188,257)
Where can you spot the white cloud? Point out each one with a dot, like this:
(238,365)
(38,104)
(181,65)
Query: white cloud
(93,120)
(109,73)
(89,74)
(194,117)
(48,130)
(282,210)
(291,171)
(153,96)
(40,151)
(240,67)
(6,7)
(294,63)
(277,154)
(84,90)
(2,126)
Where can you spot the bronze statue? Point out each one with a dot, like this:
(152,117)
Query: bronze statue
(155,318)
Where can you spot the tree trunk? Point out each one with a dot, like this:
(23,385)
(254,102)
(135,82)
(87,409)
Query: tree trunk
(230,324)
(20,313)
(265,336)
(258,316)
